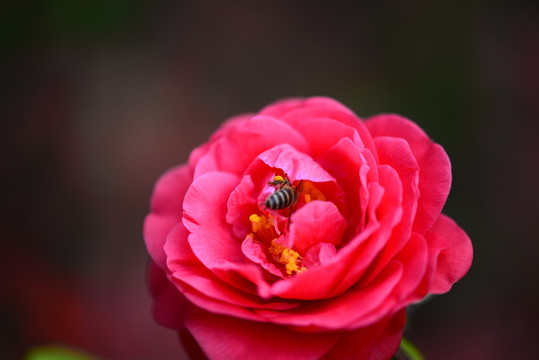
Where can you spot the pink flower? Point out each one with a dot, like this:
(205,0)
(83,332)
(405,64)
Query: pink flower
(359,235)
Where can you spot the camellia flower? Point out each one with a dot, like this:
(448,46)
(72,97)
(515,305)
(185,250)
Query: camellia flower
(302,232)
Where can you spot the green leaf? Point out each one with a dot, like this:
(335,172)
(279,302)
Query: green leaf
(408,351)
(56,353)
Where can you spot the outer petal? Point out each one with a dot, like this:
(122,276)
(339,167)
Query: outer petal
(450,252)
(300,115)
(169,305)
(237,149)
(396,153)
(190,345)
(281,107)
(205,208)
(223,337)
(191,275)
(166,210)
(375,342)
(323,133)
(435,168)
(326,102)
(228,126)
(414,257)
(344,312)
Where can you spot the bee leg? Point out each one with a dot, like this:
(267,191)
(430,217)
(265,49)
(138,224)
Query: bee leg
(291,209)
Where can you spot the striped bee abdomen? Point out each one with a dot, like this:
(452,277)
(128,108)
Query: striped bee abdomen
(281,199)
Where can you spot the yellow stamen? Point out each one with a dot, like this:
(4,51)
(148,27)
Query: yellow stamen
(278,178)
(263,226)
(288,257)
(311,192)
(259,222)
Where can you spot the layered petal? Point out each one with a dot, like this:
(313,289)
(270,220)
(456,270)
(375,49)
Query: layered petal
(316,222)
(322,134)
(354,169)
(223,337)
(375,342)
(395,153)
(170,305)
(348,311)
(227,127)
(327,274)
(166,210)
(352,261)
(434,164)
(298,116)
(295,163)
(241,204)
(450,254)
(201,284)
(281,107)
(234,151)
(204,216)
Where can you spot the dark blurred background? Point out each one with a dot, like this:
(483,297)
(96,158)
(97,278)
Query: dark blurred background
(98,98)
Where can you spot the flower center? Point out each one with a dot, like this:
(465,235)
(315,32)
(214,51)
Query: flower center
(288,257)
(311,192)
(265,232)
(270,229)
(263,226)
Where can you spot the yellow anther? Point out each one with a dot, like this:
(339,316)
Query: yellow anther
(262,226)
(311,192)
(255,222)
(288,257)
(254,218)
(278,178)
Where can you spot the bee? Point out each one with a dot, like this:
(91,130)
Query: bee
(284,196)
